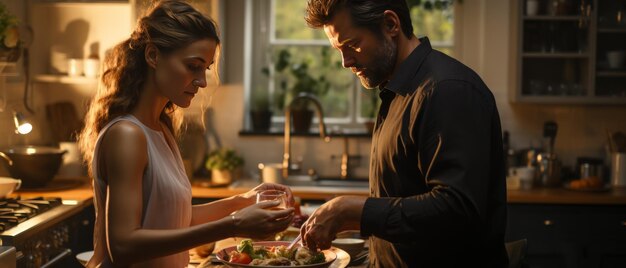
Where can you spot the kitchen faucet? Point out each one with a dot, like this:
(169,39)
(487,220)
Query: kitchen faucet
(287,130)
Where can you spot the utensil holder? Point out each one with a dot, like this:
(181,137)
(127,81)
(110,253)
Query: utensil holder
(618,169)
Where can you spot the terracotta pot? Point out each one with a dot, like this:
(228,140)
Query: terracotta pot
(261,120)
(223,177)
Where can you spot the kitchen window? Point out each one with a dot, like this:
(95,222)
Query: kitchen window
(275,28)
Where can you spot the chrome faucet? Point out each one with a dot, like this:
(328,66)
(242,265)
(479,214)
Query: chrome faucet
(287,130)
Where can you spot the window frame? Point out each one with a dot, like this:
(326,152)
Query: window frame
(260,35)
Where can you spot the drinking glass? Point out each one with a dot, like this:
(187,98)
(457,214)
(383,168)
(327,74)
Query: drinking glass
(271,195)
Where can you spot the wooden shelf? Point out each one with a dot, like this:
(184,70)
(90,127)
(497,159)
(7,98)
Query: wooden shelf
(8,68)
(572,100)
(612,30)
(563,55)
(553,18)
(619,73)
(64,79)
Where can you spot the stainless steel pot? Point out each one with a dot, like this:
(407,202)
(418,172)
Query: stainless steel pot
(34,165)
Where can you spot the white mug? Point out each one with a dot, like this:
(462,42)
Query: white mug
(92,66)
(74,67)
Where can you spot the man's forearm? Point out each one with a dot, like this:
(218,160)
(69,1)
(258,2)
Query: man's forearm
(351,208)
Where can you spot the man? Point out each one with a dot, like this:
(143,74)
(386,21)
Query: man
(437,181)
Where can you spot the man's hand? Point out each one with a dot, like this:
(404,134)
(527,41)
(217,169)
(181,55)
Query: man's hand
(339,214)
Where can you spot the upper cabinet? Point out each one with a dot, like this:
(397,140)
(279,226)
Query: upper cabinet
(571,52)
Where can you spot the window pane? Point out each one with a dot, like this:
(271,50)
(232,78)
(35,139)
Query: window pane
(369,101)
(290,24)
(336,99)
(437,24)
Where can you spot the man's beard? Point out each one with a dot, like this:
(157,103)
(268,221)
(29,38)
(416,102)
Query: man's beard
(382,65)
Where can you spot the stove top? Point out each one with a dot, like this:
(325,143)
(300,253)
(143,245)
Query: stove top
(14,211)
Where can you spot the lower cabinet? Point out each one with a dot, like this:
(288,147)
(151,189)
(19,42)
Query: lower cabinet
(570,236)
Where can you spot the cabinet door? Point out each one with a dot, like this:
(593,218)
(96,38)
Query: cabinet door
(556,234)
(607,245)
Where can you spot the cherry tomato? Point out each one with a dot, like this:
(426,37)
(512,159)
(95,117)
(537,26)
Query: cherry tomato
(241,258)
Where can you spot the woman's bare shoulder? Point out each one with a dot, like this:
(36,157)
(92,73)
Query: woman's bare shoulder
(124,139)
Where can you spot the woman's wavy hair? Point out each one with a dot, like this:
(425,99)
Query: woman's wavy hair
(169,25)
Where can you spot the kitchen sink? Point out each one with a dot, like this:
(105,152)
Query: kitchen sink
(304,180)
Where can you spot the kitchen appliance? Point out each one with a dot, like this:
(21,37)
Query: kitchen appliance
(549,164)
(618,169)
(44,231)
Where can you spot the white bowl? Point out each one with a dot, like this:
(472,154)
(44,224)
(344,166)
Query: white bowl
(353,246)
(84,257)
(8,185)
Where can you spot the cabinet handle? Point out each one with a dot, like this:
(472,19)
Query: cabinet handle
(548,222)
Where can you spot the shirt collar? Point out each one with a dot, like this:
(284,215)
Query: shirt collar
(405,80)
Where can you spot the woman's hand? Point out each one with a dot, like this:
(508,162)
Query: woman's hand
(257,221)
(250,196)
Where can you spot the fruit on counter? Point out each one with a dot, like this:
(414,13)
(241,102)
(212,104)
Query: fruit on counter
(586,183)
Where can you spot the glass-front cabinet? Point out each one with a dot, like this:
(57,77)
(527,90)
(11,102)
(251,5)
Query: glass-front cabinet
(571,51)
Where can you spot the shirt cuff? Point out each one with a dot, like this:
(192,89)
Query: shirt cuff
(374,216)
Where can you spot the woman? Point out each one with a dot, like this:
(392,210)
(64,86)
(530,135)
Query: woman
(144,215)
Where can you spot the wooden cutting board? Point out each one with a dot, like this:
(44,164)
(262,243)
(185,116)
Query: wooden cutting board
(64,121)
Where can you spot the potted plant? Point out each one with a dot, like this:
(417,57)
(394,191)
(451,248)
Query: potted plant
(225,165)
(260,111)
(9,36)
(302,81)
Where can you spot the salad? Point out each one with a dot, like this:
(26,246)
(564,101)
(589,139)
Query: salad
(247,253)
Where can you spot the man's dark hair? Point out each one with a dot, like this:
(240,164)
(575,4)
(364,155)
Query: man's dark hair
(365,13)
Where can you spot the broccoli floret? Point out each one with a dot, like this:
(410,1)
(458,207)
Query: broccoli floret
(317,258)
(245,246)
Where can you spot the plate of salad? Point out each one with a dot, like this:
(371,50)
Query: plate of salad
(274,253)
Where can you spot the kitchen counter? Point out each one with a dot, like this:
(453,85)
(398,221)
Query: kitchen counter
(616,196)
(78,189)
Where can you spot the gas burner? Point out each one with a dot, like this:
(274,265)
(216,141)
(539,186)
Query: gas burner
(16,210)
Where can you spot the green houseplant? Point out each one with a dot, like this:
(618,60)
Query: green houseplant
(295,77)
(9,36)
(225,165)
